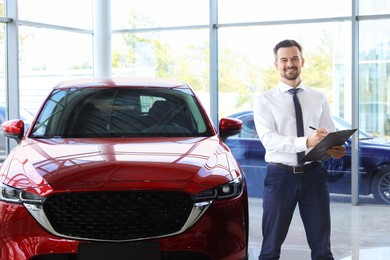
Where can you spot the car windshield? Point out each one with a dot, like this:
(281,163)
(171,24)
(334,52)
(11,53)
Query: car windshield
(341,125)
(120,112)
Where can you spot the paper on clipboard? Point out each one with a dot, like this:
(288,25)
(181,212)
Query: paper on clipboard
(318,153)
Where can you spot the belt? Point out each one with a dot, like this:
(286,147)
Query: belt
(295,169)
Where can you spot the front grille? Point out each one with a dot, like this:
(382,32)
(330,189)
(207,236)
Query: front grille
(118,215)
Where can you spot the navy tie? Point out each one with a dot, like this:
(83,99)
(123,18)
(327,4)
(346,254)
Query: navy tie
(299,120)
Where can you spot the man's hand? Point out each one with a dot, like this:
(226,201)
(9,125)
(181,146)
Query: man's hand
(316,137)
(337,152)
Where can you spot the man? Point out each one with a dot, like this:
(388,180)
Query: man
(289,181)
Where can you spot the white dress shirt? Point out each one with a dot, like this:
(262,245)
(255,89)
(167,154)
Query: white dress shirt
(274,117)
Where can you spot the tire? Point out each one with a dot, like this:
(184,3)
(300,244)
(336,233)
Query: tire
(380,187)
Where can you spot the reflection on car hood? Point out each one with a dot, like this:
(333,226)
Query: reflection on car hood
(82,164)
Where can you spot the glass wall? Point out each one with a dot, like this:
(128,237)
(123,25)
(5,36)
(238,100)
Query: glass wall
(169,44)
(246,61)
(246,67)
(158,14)
(166,54)
(372,7)
(56,43)
(3,90)
(374,77)
(47,57)
(232,11)
(69,13)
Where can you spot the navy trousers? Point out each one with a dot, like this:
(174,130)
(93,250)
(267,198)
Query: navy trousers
(283,190)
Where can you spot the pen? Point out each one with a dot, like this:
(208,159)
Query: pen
(312,128)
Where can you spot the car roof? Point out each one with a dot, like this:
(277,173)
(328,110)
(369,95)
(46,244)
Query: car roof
(121,82)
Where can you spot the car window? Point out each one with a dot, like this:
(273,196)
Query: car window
(51,114)
(120,112)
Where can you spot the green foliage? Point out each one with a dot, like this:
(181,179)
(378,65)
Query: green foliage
(270,78)
(85,65)
(147,50)
(316,73)
(237,74)
(164,60)
(193,67)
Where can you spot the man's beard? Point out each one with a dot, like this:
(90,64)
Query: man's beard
(291,76)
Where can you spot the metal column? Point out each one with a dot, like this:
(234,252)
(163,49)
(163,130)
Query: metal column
(214,61)
(102,38)
(355,104)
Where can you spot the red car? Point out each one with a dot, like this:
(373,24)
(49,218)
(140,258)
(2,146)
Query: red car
(112,168)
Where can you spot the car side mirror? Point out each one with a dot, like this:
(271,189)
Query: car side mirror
(13,129)
(229,127)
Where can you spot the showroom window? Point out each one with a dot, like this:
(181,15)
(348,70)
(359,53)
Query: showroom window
(53,46)
(167,54)
(371,7)
(47,57)
(56,43)
(374,79)
(69,13)
(149,43)
(148,14)
(3,91)
(255,72)
(231,11)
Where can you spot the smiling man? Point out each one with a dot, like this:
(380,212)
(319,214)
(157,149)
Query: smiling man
(283,116)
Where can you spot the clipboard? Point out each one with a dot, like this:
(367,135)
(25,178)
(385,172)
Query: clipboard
(318,153)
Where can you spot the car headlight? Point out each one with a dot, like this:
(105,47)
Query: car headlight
(14,195)
(226,191)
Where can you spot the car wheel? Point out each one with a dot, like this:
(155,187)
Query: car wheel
(381,186)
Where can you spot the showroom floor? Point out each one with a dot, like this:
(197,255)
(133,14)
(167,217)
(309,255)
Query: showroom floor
(358,233)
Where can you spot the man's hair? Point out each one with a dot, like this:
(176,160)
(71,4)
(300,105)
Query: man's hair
(286,44)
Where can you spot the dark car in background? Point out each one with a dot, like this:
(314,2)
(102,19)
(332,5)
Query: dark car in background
(122,167)
(374,163)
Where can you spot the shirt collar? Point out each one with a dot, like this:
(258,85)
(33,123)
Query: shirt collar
(283,87)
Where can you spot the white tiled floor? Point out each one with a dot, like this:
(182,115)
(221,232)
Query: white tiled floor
(358,233)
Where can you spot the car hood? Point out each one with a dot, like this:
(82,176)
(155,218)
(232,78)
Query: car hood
(191,164)
(376,142)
